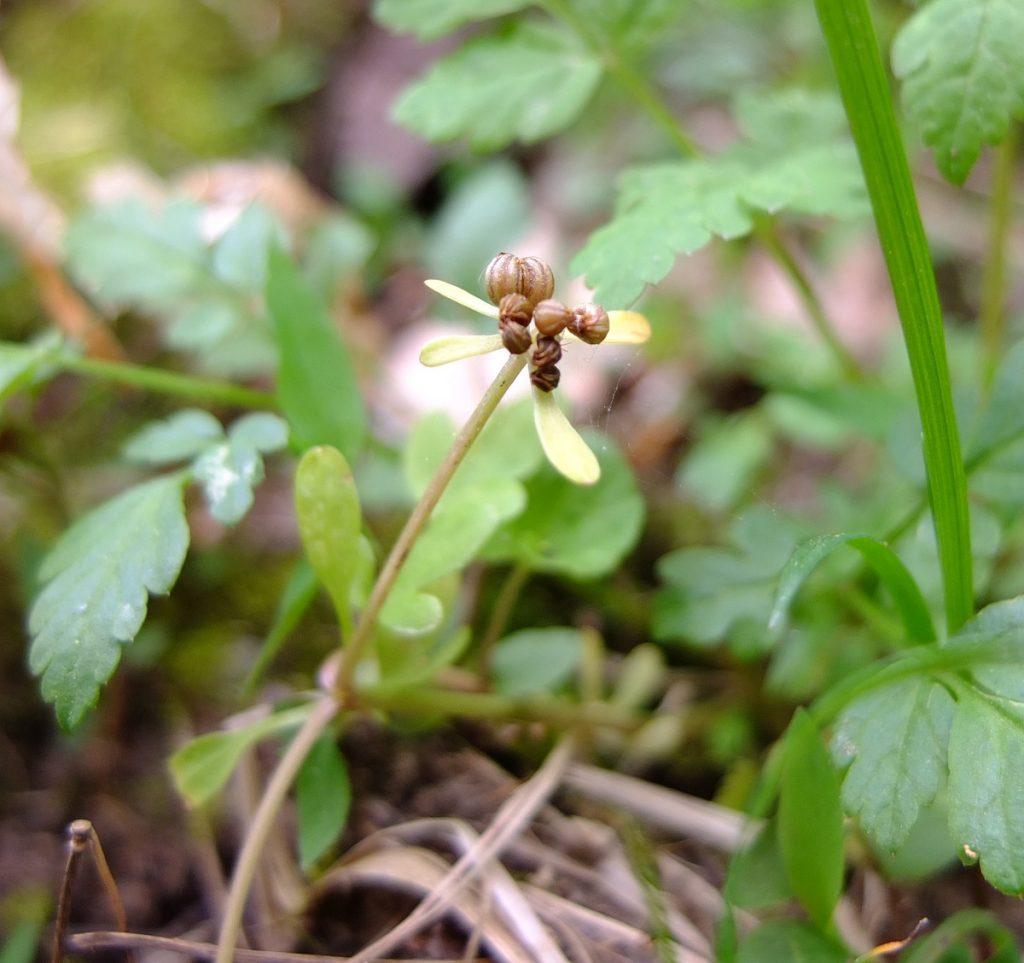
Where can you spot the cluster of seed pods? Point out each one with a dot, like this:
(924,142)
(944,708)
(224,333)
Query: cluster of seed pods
(529,318)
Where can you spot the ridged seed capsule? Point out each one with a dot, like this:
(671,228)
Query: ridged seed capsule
(590,323)
(547,352)
(551,317)
(508,274)
(546,379)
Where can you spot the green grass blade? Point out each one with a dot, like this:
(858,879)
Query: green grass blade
(850,36)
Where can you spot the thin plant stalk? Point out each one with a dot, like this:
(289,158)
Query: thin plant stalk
(263,822)
(850,36)
(992,313)
(168,382)
(356,646)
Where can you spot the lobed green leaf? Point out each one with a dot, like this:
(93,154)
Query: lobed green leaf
(181,437)
(792,158)
(523,84)
(962,69)
(98,579)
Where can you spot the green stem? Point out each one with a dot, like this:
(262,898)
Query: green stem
(554,712)
(848,31)
(992,314)
(501,611)
(628,77)
(363,633)
(168,382)
(263,822)
(769,236)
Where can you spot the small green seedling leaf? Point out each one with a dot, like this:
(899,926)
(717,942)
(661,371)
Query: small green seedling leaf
(917,620)
(794,158)
(959,61)
(790,941)
(316,384)
(811,821)
(181,437)
(523,84)
(571,530)
(897,739)
(330,523)
(323,796)
(430,19)
(22,364)
(97,581)
(536,660)
(757,876)
(262,431)
(228,473)
(202,766)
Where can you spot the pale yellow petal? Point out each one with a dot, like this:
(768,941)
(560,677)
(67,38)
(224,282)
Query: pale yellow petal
(627,327)
(459,296)
(458,346)
(564,448)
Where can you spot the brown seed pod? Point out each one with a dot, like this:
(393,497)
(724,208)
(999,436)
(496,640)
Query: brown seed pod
(504,275)
(546,378)
(514,307)
(551,317)
(590,323)
(547,352)
(538,282)
(515,336)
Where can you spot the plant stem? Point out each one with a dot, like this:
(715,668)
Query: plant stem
(848,31)
(500,613)
(263,822)
(168,382)
(773,242)
(557,713)
(363,633)
(628,77)
(992,314)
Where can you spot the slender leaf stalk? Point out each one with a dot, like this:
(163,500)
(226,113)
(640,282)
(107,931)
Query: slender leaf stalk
(169,382)
(848,31)
(992,314)
(355,647)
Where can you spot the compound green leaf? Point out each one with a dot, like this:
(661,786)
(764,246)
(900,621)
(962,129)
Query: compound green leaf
(180,437)
(316,384)
(897,738)
(21,364)
(707,591)
(98,578)
(240,255)
(203,765)
(811,821)
(330,523)
(323,795)
(571,530)
(789,941)
(963,76)
(128,254)
(430,19)
(536,660)
(986,778)
(524,84)
(794,158)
